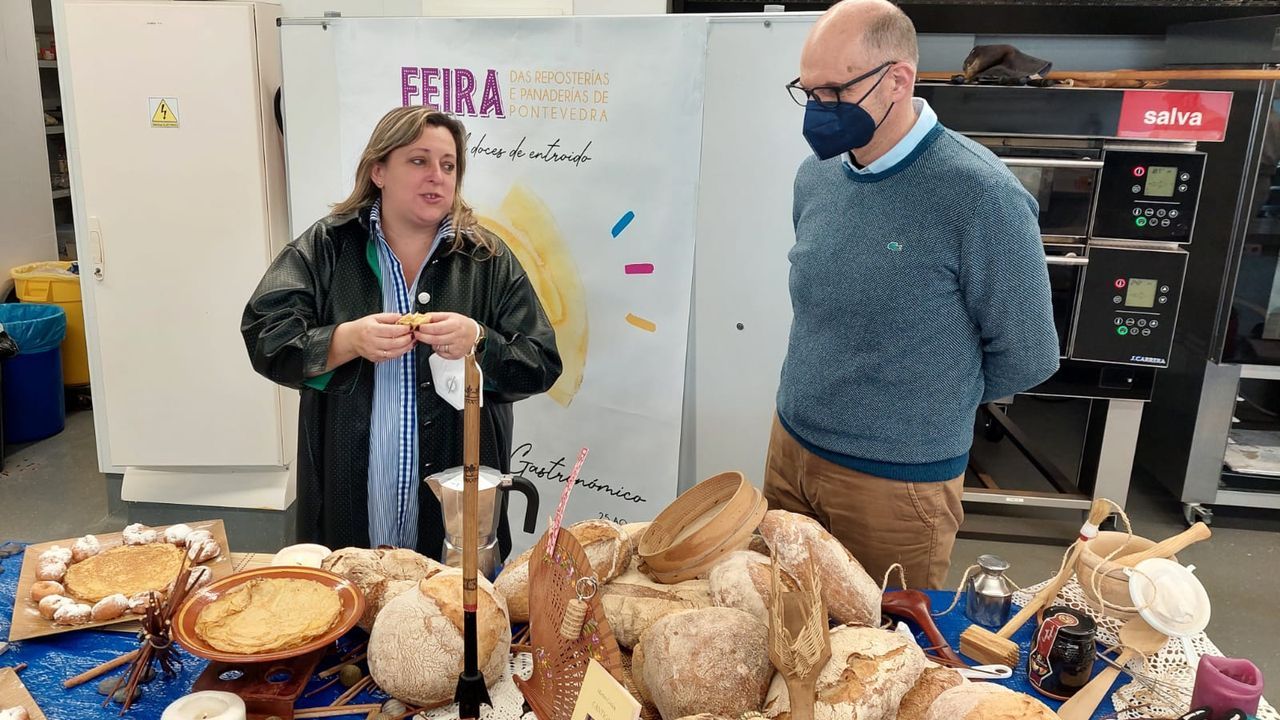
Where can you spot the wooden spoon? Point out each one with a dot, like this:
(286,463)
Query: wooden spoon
(1136,636)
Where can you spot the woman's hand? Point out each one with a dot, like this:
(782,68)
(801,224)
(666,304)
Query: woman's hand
(376,338)
(450,335)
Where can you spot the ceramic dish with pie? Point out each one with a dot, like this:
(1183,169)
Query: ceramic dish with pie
(268,614)
(101,580)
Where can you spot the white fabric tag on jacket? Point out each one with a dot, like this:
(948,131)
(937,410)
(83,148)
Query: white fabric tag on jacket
(449,377)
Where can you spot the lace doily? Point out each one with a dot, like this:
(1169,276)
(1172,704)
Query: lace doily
(508,703)
(1167,675)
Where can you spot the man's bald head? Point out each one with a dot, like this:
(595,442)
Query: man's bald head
(865,32)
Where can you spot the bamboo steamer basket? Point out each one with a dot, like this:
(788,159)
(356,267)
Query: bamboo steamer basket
(1112,580)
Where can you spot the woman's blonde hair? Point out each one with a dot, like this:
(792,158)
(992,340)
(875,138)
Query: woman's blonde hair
(400,128)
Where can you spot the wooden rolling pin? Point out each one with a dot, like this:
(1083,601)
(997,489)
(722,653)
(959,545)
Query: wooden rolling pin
(1169,546)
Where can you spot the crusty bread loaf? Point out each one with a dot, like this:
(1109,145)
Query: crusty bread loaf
(849,592)
(987,701)
(633,602)
(608,547)
(415,649)
(744,580)
(714,660)
(869,672)
(637,675)
(376,571)
(513,584)
(933,682)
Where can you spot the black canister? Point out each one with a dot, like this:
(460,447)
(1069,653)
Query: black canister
(1061,657)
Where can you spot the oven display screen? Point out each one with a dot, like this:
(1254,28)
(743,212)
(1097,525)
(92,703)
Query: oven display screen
(1141,294)
(1161,181)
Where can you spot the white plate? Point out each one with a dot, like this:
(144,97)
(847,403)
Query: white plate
(306,555)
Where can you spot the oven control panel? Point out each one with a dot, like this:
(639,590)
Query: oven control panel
(1145,195)
(1129,305)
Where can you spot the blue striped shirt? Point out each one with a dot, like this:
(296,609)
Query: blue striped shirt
(393,432)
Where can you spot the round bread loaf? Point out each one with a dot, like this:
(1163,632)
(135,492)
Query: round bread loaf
(714,660)
(513,584)
(415,649)
(987,701)
(637,675)
(869,672)
(933,682)
(376,571)
(633,602)
(744,580)
(849,592)
(608,547)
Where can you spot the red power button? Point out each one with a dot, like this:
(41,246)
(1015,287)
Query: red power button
(1139,171)
(1120,283)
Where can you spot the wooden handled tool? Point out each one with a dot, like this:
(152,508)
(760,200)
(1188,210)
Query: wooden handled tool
(914,605)
(1169,546)
(996,648)
(471,692)
(1136,636)
(799,639)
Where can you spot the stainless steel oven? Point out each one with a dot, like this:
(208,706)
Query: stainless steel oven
(1118,199)
(1113,218)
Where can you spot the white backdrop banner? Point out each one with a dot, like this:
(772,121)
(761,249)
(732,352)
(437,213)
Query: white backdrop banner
(585,139)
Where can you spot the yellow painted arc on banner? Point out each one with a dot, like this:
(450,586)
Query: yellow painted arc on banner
(529,229)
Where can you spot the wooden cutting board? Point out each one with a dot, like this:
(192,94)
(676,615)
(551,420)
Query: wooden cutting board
(14,694)
(27,621)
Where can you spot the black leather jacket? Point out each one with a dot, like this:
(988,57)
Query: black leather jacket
(325,278)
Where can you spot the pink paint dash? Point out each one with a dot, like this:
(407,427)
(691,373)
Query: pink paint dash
(639,268)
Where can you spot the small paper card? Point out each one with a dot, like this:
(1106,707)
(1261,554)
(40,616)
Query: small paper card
(604,698)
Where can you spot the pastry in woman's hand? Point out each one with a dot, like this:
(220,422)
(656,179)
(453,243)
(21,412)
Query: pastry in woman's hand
(413,320)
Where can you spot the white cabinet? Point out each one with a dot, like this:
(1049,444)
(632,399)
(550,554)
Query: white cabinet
(180,207)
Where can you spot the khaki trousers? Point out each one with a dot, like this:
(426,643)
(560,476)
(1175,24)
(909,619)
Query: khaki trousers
(881,521)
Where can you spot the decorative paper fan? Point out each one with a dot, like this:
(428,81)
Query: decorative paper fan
(559,664)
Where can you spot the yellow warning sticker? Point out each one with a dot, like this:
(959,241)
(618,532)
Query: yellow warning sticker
(164,112)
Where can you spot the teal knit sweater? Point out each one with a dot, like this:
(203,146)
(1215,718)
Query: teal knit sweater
(917,293)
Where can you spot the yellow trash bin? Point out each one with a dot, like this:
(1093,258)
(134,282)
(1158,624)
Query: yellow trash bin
(53,282)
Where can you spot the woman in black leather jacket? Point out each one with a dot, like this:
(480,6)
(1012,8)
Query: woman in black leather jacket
(324,319)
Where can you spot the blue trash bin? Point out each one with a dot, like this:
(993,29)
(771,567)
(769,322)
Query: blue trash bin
(31,383)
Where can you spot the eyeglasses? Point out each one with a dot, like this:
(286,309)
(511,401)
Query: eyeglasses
(828,96)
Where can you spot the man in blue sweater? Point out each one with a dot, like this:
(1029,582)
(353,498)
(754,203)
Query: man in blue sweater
(919,290)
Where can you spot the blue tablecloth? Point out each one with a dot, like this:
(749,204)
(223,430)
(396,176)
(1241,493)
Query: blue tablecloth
(51,660)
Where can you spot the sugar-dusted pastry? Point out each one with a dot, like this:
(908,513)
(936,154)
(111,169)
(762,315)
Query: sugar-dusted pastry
(200,576)
(44,588)
(14,713)
(51,570)
(138,603)
(177,534)
(49,605)
(139,534)
(57,553)
(196,536)
(110,607)
(85,548)
(203,550)
(73,613)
